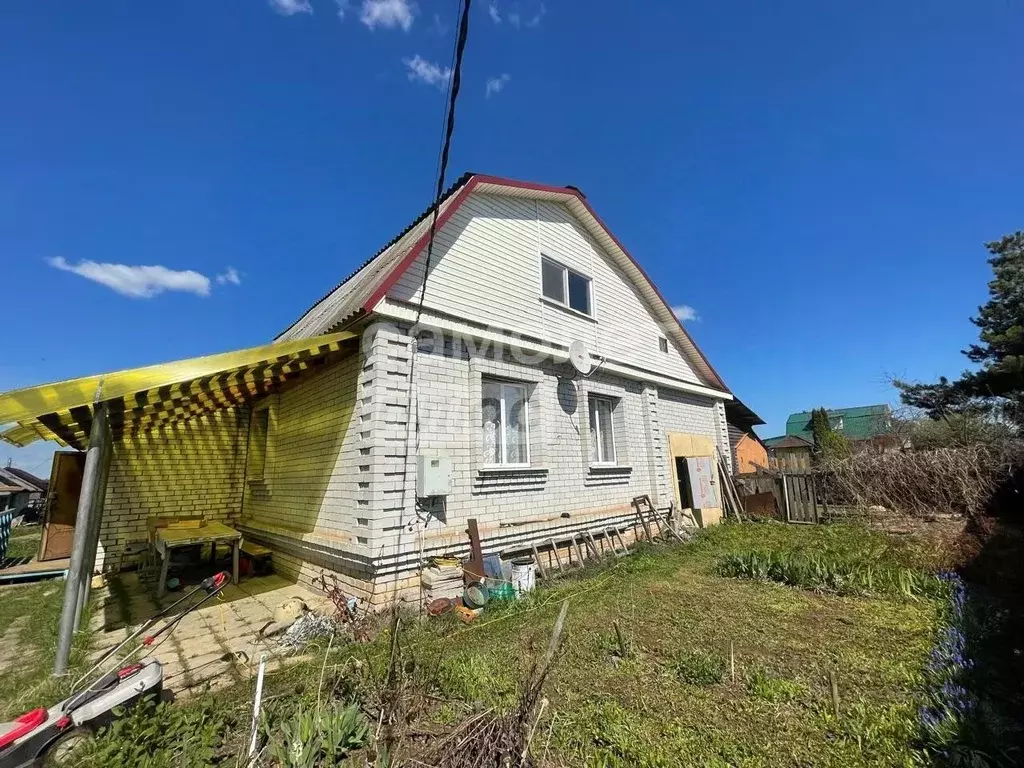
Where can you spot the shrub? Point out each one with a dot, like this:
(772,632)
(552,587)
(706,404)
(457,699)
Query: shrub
(763,685)
(316,736)
(845,576)
(162,735)
(698,667)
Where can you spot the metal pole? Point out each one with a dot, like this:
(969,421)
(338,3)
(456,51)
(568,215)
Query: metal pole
(94,537)
(96,456)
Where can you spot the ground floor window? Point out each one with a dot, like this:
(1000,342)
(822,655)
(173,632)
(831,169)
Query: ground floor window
(602,430)
(506,423)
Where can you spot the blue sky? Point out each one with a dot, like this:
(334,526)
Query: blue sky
(814,179)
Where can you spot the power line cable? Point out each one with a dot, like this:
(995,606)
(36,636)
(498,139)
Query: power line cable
(453,95)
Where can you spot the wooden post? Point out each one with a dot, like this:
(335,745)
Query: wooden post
(592,545)
(643,522)
(834,685)
(625,549)
(540,565)
(554,551)
(89,501)
(623,652)
(579,549)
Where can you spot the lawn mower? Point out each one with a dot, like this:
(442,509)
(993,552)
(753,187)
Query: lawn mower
(44,736)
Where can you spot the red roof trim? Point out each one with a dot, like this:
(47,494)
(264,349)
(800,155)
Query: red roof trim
(396,273)
(399,269)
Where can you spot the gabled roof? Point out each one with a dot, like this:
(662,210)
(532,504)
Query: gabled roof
(858,423)
(787,441)
(361,291)
(738,414)
(23,478)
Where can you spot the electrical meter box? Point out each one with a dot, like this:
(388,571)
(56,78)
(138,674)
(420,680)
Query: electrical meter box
(433,475)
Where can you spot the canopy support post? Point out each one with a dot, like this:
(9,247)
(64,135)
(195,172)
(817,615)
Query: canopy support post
(90,503)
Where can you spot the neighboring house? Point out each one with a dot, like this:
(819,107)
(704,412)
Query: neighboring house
(453,403)
(789,452)
(862,423)
(748,452)
(21,491)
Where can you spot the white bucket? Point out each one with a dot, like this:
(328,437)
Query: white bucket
(523,576)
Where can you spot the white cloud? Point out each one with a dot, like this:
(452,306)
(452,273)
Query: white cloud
(137,282)
(495,84)
(492,9)
(387,13)
(343,7)
(230,275)
(291,7)
(423,71)
(535,20)
(513,19)
(685,312)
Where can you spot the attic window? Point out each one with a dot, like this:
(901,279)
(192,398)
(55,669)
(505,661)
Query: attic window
(663,344)
(565,286)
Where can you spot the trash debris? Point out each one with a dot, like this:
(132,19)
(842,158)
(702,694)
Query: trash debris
(466,615)
(439,605)
(442,579)
(307,628)
(523,575)
(290,610)
(475,595)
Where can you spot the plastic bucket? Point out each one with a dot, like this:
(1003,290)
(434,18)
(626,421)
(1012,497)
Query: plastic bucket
(523,576)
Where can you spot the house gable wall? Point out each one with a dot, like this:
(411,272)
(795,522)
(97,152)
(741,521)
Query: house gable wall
(486,269)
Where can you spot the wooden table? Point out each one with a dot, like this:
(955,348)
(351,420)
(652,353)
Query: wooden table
(169,539)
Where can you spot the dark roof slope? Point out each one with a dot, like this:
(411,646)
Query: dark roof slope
(28,477)
(787,441)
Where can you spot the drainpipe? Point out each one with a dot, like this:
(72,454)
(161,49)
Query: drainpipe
(97,458)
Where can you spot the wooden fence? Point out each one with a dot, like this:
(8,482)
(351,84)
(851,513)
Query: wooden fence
(794,497)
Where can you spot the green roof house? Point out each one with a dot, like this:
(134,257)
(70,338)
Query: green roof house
(864,422)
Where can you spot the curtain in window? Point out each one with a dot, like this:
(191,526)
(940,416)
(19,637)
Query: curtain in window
(602,439)
(491,422)
(515,428)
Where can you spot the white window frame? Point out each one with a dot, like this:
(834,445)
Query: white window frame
(504,463)
(596,426)
(565,286)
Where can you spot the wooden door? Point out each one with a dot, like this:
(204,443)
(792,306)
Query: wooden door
(62,505)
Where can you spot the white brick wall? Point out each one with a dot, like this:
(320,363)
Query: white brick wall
(189,468)
(338,489)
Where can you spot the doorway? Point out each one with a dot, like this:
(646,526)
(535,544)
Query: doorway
(62,505)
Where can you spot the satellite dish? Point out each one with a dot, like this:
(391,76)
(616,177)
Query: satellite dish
(580,357)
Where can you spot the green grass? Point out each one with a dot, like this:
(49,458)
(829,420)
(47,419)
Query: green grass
(673,700)
(29,617)
(24,542)
(830,573)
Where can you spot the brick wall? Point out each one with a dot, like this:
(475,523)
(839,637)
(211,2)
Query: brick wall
(337,492)
(514,508)
(192,467)
(312,503)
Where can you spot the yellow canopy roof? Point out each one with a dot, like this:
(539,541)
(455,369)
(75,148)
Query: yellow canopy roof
(142,398)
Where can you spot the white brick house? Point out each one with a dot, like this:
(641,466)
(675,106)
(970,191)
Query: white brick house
(476,370)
